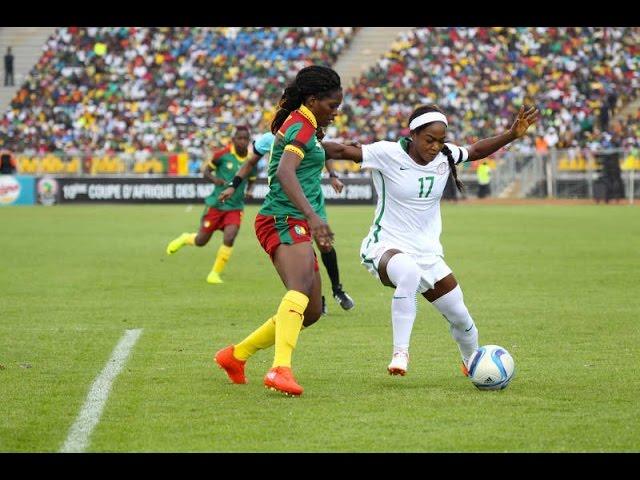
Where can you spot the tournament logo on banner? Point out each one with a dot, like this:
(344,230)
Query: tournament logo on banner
(47,191)
(9,190)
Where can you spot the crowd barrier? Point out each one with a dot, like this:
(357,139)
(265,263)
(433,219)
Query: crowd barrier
(51,190)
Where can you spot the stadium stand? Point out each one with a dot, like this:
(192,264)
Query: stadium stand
(156,100)
(137,92)
(479,76)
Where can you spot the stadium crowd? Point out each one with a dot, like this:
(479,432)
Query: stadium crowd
(576,76)
(141,92)
(131,89)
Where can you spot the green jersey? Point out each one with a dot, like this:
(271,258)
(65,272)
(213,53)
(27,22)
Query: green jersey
(297,135)
(226,163)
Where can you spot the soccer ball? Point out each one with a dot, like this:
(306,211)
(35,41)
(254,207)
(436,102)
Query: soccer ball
(491,367)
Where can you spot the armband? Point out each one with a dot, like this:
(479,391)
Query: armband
(235,183)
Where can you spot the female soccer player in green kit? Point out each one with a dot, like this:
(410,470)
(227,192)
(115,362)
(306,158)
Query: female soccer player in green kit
(289,217)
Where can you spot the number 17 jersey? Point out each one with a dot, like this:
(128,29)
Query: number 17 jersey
(407,214)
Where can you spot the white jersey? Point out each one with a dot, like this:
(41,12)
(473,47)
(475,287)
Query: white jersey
(408,211)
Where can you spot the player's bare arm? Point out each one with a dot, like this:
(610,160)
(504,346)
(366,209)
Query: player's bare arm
(487,146)
(241,174)
(339,151)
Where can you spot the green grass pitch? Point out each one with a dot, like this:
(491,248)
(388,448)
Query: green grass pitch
(556,285)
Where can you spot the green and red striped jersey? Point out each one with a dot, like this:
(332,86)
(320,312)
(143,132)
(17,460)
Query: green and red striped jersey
(298,135)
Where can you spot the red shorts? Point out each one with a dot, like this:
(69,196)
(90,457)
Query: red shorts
(214,219)
(272,230)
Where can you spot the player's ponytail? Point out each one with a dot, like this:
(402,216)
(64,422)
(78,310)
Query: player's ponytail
(452,166)
(291,99)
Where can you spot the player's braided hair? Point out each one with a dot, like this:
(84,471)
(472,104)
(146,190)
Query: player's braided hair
(316,80)
(447,152)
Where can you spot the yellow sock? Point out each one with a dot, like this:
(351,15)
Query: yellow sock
(288,323)
(262,337)
(222,257)
(190,239)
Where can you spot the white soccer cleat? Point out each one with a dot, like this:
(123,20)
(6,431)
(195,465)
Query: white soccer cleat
(399,363)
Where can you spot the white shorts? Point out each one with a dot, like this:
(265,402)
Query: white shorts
(432,267)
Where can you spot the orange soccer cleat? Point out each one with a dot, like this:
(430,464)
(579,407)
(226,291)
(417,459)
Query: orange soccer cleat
(281,379)
(231,365)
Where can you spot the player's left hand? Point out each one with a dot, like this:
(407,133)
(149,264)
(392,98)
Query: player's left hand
(337,184)
(320,231)
(524,120)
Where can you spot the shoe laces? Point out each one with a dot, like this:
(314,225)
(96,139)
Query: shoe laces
(401,354)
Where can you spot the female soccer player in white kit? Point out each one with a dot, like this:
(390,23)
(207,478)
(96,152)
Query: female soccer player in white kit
(403,247)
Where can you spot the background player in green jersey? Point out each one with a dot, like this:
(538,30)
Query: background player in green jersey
(217,215)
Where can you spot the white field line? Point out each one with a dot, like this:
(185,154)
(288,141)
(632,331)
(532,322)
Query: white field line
(89,416)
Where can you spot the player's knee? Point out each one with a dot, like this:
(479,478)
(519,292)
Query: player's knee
(409,278)
(301,285)
(456,313)
(229,238)
(311,316)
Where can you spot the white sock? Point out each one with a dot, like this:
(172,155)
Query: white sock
(462,328)
(405,275)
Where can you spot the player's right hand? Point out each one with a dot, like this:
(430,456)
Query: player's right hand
(320,231)
(226,194)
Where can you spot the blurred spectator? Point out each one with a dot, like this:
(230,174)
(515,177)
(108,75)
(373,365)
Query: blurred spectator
(194,165)
(603,117)
(483,174)
(612,99)
(7,164)
(8,68)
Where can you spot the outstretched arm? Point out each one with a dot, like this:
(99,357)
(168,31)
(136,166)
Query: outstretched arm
(246,168)
(487,146)
(339,151)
